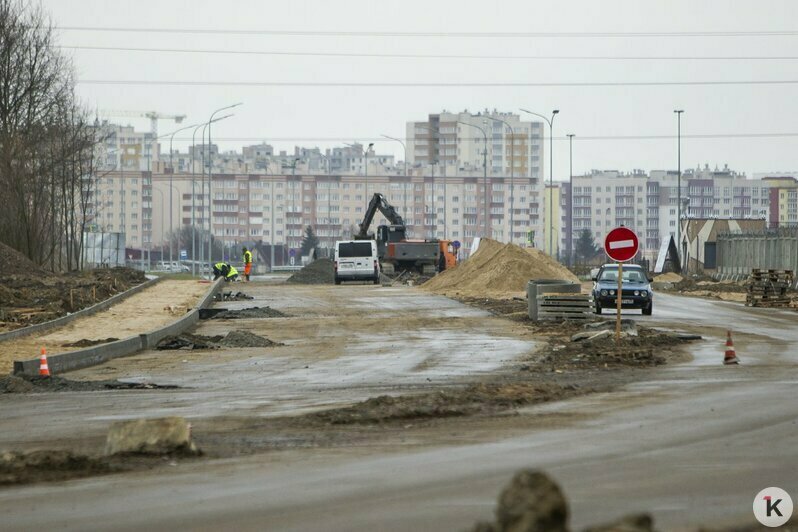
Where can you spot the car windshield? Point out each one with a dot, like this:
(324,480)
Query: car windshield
(629,276)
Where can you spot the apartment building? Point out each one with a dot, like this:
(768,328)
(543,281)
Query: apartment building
(122,147)
(277,208)
(647,202)
(498,145)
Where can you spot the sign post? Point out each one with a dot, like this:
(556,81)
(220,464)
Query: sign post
(620,245)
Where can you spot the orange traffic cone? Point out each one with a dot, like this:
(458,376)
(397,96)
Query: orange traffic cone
(730,357)
(44,370)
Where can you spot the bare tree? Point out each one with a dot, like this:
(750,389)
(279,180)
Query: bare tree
(46,142)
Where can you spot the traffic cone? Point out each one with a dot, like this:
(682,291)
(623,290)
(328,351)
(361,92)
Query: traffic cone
(730,357)
(44,370)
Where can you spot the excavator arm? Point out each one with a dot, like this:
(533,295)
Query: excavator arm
(378,203)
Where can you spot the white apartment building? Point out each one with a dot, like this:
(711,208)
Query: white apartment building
(122,147)
(498,145)
(647,203)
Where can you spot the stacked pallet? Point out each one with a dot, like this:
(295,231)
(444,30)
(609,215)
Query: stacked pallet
(768,288)
(565,306)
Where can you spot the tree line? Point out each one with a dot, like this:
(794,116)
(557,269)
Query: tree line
(47,143)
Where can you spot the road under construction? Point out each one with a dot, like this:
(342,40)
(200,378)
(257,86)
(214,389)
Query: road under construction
(398,408)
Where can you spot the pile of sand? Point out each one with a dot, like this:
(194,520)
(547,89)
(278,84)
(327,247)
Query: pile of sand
(498,271)
(668,278)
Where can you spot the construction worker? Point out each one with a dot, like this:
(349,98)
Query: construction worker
(224,269)
(247,263)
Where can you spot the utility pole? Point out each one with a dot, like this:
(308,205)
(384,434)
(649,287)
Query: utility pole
(571,199)
(679,178)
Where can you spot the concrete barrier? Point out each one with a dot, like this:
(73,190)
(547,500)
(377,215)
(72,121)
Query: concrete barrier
(541,286)
(88,311)
(99,354)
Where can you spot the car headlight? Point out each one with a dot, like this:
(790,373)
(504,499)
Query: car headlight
(603,292)
(643,293)
(637,292)
(612,292)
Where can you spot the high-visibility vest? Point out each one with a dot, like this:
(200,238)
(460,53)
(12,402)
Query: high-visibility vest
(232,271)
(247,257)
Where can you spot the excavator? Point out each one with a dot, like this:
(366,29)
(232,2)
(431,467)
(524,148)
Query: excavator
(395,251)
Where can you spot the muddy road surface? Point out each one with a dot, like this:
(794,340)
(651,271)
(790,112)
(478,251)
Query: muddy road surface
(692,443)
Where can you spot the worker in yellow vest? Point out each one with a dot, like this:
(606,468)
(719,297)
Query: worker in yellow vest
(247,263)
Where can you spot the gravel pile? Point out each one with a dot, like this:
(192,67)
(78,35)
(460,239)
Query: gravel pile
(320,271)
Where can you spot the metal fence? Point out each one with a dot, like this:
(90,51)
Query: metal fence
(738,253)
(103,249)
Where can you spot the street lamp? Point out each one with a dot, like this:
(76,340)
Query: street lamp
(551,172)
(571,198)
(210,179)
(512,170)
(679,178)
(484,170)
(171,174)
(404,185)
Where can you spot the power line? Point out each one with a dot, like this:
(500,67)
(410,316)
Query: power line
(697,136)
(462,34)
(407,84)
(435,56)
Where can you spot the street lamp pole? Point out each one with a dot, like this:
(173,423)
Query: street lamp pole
(512,171)
(571,199)
(210,180)
(484,172)
(404,185)
(551,173)
(171,175)
(193,205)
(679,178)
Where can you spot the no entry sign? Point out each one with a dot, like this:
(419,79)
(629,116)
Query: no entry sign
(621,244)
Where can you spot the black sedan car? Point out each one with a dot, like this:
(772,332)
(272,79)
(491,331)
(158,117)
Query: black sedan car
(636,293)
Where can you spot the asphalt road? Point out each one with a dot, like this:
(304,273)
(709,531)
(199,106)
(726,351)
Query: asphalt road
(693,445)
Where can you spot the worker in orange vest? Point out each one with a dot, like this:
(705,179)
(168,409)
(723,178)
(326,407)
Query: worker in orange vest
(247,263)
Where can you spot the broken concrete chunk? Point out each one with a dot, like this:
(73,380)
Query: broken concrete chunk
(150,436)
(532,502)
(627,326)
(630,523)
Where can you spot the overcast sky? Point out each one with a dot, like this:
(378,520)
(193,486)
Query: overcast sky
(327,116)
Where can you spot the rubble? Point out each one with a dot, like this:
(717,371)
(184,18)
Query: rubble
(237,338)
(247,339)
(168,435)
(499,271)
(37,384)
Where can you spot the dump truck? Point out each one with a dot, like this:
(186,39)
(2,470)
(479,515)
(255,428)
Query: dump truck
(396,252)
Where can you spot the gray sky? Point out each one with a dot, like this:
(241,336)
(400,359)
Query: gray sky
(310,114)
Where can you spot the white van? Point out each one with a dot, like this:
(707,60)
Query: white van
(356,260)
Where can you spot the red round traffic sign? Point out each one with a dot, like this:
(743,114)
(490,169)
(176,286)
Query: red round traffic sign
(621,244)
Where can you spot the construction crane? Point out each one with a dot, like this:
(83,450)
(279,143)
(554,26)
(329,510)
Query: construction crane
(154,116)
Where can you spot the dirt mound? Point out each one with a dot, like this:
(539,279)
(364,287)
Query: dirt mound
(30,298)
(12,262)
(498,271)
(20,468)
(188,341)
(668,278)
(246,339)
(474,399)
(319,271)
(253,312)
(19,384)
(89,343)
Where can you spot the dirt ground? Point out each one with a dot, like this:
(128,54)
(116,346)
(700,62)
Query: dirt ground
(141,312)
(36,296)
